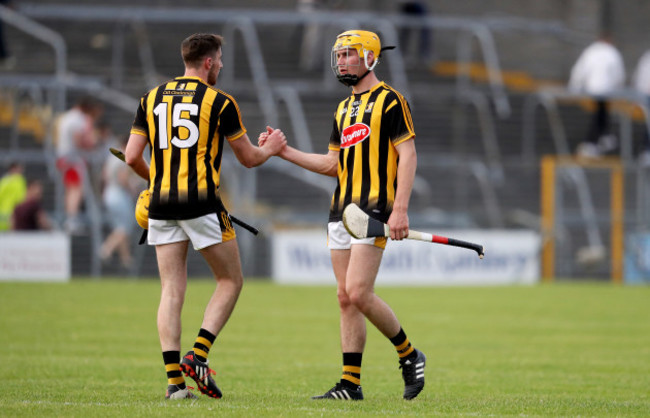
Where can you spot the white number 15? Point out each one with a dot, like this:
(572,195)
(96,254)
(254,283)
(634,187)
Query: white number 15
(177,121)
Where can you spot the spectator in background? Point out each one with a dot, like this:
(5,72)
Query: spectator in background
(76,137)
(29,215)
(12,192)
(120,190)
(599,71)
(641,83)
(422,50)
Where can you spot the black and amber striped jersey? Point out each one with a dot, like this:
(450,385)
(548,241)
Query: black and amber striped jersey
(367,127)
(186,121)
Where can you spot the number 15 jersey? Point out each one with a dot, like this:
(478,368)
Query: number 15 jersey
(185,121)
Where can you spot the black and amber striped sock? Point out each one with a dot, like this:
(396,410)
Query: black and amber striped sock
(172,361)
(203,344)
(351,370)
(402,345)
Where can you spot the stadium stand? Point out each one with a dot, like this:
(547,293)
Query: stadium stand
(473,168)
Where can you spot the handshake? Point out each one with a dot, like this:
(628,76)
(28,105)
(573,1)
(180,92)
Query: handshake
(273,138)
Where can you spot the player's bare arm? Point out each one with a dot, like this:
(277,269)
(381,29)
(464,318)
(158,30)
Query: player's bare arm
(252,156)
(325,164)
(133,155)
(398,220)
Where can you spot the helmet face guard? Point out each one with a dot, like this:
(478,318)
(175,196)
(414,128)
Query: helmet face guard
(363,42)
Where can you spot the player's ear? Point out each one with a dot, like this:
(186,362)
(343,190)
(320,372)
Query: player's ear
(207,62)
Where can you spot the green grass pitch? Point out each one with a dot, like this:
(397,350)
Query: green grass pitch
(90,348)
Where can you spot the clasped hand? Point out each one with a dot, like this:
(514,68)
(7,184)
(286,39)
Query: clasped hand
(270,136)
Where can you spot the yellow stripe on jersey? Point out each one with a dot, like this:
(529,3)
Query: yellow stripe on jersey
(359,157)
(408,119)
(202,170)
(375,126)
(216,175)
(153,129)
(167,152)
(345,172)
(394,103)
(183,134)
(242,132)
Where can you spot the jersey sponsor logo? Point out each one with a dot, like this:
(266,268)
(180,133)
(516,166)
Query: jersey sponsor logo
(178,93)
(354,134)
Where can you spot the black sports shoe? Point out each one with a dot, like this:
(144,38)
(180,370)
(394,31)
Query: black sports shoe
(413,374)
(174,393)
(342,393)
(201,373)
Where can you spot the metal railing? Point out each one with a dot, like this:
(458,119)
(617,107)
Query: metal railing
(547,99)
(45,35)
(386,23)
(243,24)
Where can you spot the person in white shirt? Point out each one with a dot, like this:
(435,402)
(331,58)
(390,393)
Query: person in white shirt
(75,134)
(599,71)
(641,83)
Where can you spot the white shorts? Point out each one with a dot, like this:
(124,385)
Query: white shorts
(338,238)
(203,231)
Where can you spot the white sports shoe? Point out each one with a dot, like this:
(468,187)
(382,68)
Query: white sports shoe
(175,393)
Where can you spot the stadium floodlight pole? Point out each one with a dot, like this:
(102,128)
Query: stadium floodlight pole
(360,225)
(119,154)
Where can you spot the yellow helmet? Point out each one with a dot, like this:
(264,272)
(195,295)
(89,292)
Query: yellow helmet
(363,42)
(142,209)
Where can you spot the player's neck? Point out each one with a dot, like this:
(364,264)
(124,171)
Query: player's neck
(193,72)
(366,83)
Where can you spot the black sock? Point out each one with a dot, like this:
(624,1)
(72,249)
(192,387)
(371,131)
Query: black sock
(203,344)
(403,345)
(351,370)
(172,361)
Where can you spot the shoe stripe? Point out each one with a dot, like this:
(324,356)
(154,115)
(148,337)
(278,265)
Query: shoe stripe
(420,376)
(334,394)
(345,392)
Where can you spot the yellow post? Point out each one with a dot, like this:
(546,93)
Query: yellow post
(618,213)
(548,217)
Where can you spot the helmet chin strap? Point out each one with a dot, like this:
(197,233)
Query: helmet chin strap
(351,80)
